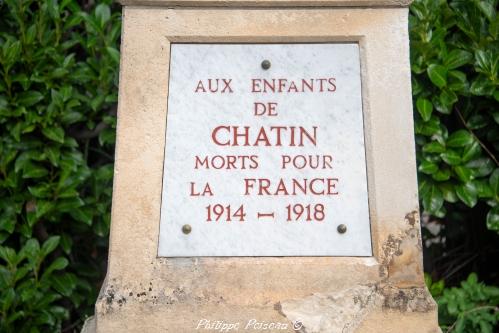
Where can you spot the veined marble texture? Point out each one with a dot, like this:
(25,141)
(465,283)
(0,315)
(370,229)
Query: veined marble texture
(332,118)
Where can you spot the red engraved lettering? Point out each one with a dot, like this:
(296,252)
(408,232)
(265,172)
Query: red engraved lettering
(200,87)
(255,85)
(332,84)
(215,138)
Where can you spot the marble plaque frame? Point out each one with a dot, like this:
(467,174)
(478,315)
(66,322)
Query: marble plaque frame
(222,239)
(145,293)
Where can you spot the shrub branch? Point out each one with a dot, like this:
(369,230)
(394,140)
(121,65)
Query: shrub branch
(460,115)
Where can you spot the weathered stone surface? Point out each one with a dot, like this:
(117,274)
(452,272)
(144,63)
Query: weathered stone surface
(341,311)
(345,310)
(89,325)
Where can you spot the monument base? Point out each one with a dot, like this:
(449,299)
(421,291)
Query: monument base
(371,308)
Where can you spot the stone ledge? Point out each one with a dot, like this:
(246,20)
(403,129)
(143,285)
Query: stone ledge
(267,3)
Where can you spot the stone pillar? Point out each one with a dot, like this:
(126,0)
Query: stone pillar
(382,291)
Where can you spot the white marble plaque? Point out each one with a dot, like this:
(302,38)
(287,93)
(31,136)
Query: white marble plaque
(264,162)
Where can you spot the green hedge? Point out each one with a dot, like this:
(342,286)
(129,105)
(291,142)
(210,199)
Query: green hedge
(58,91)
(455,65)
(58,87)
(473,307)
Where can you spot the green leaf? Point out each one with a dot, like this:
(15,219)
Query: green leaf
(29,98)
(441,175)
(440,105)
(71,22)
(457,58)
(477,121)
(429,128)
(487,9)
(43,207)
(425,108)
(438,75)
(471,151)
(8,298)
(107,136)
(11,53)
(31,249)
(437,288)
(71,117)
(447,99)
(54,133)
(22,79)
(460,138)
(66,243)
(483,189)
(53,9)
(45,318)
(481,166)
(494,28)
(9,255)
(433,200)
(25,158)
(16,131)
(102,13)
(428,167)
(481,86)
(31,217)
(114,54)
(7,222)
(494,182)
(467,193)
(449,192)
(64,284)
(433,147)
(457,81)
(493,219)
(31,170)
(57,265)
(82,215)
(424,186)
(50,244)
(463,173)
(451,157)
(3,103)
(40,191)
(57,97)
(31,34)
(53,154)
(69,205)
(96,102)
(495,115)
(483,60)
(68,193)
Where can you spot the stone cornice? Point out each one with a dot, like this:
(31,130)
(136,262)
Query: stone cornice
(267,3)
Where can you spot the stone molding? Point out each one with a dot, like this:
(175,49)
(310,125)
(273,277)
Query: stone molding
(267,3)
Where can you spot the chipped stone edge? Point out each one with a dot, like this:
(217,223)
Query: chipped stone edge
(89,326)
(345,310)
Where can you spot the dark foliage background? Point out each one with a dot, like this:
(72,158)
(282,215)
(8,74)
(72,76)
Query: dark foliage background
(58,86)
(455,66)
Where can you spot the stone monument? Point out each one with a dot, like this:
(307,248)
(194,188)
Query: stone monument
(265,175)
